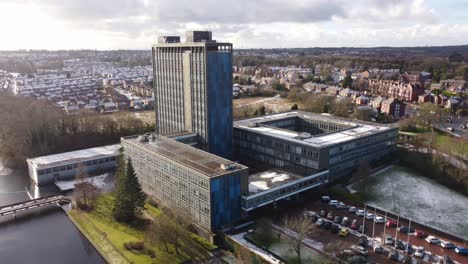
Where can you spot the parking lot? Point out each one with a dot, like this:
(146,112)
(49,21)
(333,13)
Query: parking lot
(378,232)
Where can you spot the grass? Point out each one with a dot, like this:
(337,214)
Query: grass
(108,235)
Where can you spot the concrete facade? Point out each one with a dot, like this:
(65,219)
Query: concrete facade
(47,169)
(312,141)
(205,188)
(193,83)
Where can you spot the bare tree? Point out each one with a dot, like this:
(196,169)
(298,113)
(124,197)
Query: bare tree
(85,193)
(243,256)
(303,227)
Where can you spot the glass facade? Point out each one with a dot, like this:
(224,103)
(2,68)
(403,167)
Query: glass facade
(225,200)
(219,69)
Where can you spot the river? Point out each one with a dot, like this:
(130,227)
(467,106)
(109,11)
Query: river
(405,192)
(43,235)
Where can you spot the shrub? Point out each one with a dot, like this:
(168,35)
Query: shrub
(134,245)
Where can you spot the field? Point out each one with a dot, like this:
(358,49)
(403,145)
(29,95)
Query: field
(108,236)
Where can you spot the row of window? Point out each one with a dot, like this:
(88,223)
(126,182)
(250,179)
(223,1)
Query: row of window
(75,165)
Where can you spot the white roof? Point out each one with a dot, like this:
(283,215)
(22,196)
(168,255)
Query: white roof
(74,156)
(356,130)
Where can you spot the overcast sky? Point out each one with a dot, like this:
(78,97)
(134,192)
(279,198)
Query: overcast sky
(135,24)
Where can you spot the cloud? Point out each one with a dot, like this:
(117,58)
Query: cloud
(259,23)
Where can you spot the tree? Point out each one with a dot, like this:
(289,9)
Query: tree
(303,227)
(249,81)
(456,57)
(294,107)
(347,81)
(84,194)
(264,232)
(364,114)
(129,195)
(427,114)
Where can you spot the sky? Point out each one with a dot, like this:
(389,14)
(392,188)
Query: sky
(135,24)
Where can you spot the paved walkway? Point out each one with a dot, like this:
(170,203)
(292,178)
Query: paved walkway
(239,238)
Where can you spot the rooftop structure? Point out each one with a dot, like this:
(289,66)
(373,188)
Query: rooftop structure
(52,168)
(203,162)
(315,141)
(73,156)
(266,180)
(328,130)
(193,90)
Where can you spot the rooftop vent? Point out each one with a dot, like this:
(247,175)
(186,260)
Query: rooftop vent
(304,135)
(252,124)
(228,166)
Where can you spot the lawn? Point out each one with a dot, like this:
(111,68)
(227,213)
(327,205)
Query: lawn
(108,235)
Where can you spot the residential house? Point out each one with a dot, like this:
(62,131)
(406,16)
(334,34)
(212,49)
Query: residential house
(393,107)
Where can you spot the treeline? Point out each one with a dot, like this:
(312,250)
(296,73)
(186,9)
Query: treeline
(31,128)
(453,66)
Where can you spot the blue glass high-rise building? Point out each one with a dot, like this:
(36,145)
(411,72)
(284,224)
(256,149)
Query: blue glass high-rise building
(193,89)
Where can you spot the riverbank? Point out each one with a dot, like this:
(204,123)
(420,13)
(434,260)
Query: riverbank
(44,235)
(109,236)
(435,168)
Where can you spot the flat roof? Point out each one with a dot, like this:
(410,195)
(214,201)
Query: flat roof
(74,156)
(193,158)
(266,180)
(356,129)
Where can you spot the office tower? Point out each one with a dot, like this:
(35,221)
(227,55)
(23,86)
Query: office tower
(193,89)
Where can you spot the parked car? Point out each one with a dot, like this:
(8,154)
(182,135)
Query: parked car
(360,212)
(447,260)
(354,225)
(344,231)
(379,219)
(377,248)
(360,250)
(308,213)
(335,229)
(407,260)
(345,221)
(405,229)
(420,234)
(447,244)
(363,241)
(325,199)
(352,209)
(326,225)
(419,252)
(399,244)
(369,216)
(391,223)
(388,240)
(408,249)
(393,255)
(337,219)
(432,240)
(461,251)
(333,202)
(330,216)
(345,253)
(451,129)
(320,221)
(313,218)
(323,213)
(361,227)
(342,206)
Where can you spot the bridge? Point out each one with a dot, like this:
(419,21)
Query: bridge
(34,203)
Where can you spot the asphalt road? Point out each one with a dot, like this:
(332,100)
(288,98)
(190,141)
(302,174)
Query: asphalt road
(456,123)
